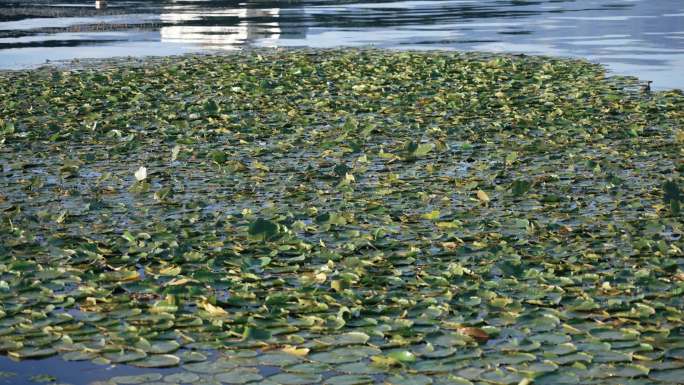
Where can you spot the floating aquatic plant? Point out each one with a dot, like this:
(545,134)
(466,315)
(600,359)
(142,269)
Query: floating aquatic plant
(344,217)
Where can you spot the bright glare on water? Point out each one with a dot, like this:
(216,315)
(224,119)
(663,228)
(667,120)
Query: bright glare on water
(644,38)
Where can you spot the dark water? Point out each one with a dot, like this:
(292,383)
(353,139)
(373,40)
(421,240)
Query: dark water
(633,37)
(71,373)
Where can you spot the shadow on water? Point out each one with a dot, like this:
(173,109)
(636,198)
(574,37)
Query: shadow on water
(55,370)
(637,37)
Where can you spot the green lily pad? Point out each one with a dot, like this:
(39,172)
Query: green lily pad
(278,359)
(612,356)
(438,366)
(157,361)
(309,367)
(349,380)
(239,376)
(541,367)
(211,367)
(32,353)
(502,377)
(44,378)
(627,371)
(613,335)
(572,358)
(252,333)
(351,338)
(563,349)
(451,380)
(189,357)
(124,356)
(402,356)
(484,218)
(139,379)
(296,378)
(340,355)
(263,228)
(677,353)
(440,353)
(559,378)
(79,356)
(4,374)
(409,380)
(159,347)
(671,376)
(182,377)
(358,368)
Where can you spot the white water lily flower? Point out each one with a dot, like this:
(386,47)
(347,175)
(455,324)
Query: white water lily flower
(141,174)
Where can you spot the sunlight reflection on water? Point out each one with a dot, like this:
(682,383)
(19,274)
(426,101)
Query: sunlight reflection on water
(637,37)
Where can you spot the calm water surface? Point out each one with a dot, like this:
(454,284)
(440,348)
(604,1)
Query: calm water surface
(632,37)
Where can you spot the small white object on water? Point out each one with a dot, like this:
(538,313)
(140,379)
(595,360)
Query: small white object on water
(100,4)
(141,174)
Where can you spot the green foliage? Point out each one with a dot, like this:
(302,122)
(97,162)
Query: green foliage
(254,333)
(673,196)
(264,229)
(520,187)
(211,107)
(406,217)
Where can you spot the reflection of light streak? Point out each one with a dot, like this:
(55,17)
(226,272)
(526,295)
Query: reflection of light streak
(217,36)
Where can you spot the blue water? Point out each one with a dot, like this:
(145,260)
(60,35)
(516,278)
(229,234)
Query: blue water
(73,373)
(644,38)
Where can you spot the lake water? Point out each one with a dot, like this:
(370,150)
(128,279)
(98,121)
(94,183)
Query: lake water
(632,37)
(644,38)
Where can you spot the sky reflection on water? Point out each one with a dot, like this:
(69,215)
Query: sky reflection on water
(634,37)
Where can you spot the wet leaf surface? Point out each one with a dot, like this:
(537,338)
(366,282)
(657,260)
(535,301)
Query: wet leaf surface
(306,216)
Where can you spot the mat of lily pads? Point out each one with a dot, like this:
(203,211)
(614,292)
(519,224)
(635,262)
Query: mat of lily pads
(344,217)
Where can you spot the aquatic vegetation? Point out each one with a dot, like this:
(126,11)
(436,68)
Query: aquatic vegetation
(344,217)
